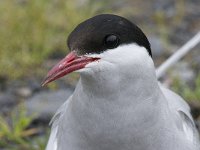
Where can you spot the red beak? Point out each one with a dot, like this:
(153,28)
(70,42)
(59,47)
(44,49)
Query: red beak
(70,63)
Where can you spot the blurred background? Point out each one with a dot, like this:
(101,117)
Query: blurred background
(33,37)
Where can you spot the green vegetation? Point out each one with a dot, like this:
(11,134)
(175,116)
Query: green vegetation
(32,31)
(164,26)
(188,93)
(15,131)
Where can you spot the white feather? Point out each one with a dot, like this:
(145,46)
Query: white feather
(52,143)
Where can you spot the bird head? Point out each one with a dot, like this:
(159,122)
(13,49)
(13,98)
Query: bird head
(100,42)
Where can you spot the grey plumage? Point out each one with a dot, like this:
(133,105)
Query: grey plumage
(118,104)
(107,113)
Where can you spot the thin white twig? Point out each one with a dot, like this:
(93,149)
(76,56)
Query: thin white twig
(178,55)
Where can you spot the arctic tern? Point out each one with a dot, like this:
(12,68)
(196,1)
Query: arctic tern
(118,103)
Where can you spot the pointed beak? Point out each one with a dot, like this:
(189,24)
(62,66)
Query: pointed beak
(70,63)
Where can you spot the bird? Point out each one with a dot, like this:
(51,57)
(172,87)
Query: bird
(118,102)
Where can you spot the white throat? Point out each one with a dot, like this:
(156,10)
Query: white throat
(126,70)
(109,94)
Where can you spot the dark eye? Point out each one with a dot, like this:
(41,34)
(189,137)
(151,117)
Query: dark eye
(111,41)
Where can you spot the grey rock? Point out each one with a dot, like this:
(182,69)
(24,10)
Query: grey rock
(34,85)
(183,71)
(156,46)
(24,92)
(7,100)
(44,104)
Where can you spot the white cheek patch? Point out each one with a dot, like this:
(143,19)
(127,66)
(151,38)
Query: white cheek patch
(92,64)
(98,66)
(130,54)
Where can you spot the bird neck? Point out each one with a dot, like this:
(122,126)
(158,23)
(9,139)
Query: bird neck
(118,105)
(119,82)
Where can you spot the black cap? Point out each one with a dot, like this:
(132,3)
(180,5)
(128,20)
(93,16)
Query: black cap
(104,32)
